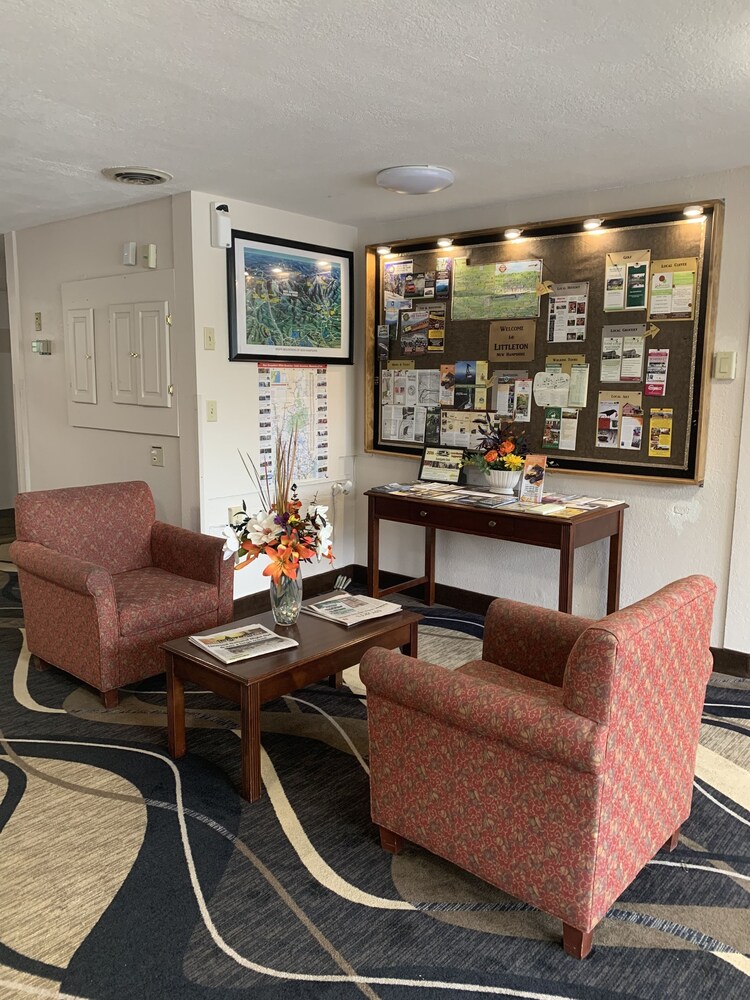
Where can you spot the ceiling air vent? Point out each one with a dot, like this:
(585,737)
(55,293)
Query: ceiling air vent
(143,176)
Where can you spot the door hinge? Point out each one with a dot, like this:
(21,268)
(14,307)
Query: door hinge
(170,389)
(169,319)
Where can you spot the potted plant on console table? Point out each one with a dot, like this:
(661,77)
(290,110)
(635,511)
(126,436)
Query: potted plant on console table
(501,454)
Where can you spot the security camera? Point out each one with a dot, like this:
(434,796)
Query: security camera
(221,225)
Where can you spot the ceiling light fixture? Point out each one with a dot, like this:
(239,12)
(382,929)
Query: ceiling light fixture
(513,234)
(590,225)
(444,242)
(383,250)
(414,179)
(692,211)
(142,176)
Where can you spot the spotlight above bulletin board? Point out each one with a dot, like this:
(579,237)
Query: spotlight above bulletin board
(593,336)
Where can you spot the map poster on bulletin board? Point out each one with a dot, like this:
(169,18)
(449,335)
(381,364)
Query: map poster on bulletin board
(504,290)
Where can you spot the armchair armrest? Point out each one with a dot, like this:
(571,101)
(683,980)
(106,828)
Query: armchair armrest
(197,557)
(64,570)
(530,640)
(538,726)
(186,553)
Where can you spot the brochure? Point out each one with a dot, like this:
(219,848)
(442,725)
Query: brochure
(350,609)
(532,481)
(242,643)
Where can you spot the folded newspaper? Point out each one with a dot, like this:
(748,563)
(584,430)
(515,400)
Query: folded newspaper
(242,643)
(350,609)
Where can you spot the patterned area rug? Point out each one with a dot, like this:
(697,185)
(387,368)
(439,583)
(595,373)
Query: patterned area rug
(124,875)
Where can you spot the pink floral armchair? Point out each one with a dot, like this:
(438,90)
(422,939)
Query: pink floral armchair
(557,765)
(103,583)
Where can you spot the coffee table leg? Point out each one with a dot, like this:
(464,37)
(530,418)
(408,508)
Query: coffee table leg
(175,710)
(336,680)
(250,733)
(410,649)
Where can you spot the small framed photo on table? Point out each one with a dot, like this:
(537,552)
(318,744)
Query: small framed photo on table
(442,465)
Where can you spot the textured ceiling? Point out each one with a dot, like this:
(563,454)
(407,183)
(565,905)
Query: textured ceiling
(297,103)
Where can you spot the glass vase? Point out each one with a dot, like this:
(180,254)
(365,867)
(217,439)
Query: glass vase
(286,599)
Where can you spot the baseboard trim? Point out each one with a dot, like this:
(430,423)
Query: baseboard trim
(731,661)
(313,586)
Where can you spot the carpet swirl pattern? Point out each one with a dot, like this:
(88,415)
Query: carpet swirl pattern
(124,874)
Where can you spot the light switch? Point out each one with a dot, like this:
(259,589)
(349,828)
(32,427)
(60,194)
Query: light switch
(37,322)
(211,415)
(725,365)
(209,338)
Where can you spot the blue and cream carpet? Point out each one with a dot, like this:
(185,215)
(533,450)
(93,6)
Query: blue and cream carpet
(126,875)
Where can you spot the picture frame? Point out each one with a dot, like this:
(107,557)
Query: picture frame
(289,301)
(442,465)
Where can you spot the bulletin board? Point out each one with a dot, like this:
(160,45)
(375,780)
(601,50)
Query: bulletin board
(635,301)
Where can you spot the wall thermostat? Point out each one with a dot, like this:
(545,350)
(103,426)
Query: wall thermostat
(221,225)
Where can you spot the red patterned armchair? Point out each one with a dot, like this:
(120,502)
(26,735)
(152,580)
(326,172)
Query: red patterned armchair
(103,583)
(557,765)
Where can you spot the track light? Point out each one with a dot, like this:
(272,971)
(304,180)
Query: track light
(513,233)
(591,224)
(383,250)
(444,242)
(692,211)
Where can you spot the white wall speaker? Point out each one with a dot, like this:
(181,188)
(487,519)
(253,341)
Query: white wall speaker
(221,225)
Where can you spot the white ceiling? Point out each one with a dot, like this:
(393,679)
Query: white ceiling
(297,103)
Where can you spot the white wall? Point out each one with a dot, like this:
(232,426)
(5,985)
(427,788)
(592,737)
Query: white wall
(47,256)
(233,385)
(670,531)
(8,477)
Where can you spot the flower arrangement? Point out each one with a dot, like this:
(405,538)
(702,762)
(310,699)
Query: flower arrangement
(281,531)
(501,448)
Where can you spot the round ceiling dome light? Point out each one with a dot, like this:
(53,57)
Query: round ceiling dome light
(142,176)
(414,179)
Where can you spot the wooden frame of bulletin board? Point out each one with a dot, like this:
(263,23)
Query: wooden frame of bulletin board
(645,281)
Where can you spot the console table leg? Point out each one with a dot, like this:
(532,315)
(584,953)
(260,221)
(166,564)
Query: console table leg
(373,551)
(567,551)
(250,734)
(429,566)
(615,563)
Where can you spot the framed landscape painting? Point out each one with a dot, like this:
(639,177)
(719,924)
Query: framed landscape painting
(288,301)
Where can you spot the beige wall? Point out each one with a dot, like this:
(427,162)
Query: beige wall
(47,256)
(233,385)
(670,531)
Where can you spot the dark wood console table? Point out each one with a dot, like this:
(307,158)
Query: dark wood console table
(564,534)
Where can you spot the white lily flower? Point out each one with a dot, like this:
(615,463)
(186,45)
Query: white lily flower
(231,542)
(323,541)
(316,510)
(263,529)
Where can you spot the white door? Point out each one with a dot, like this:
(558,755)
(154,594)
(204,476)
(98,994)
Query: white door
(122,342)
(79,351)
(152,339)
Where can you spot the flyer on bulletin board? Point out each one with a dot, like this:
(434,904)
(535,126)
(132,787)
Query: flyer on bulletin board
(673,284)
(626,280)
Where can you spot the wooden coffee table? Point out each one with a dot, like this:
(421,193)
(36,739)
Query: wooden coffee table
(324,650)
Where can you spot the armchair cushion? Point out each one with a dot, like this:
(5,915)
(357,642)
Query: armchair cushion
(510,680)
(150,597)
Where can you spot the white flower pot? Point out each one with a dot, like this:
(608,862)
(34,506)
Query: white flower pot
(503,481)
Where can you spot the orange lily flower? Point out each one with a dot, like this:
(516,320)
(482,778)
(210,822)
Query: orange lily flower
(281,562)
(299,546)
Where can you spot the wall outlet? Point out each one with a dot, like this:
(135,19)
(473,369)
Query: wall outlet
(209,338)
(157,455)
(211,411)
(37,322)
(233,512)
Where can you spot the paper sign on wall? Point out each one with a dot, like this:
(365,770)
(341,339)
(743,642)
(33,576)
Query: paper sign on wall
(656,373)
(551,388)
(568,304)
(673,288)
(626,280)
(512,340)
(660,434)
